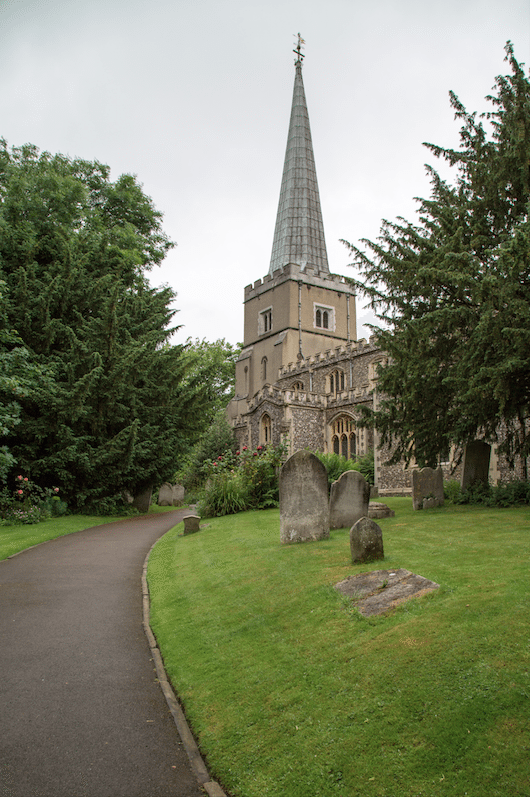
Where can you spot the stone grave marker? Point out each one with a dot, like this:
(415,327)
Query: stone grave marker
(165,495)
(381,590)
(304,507)
(476,463)
(366,541)
(377,510)
(178,494)
(349,499)
(427,483)
(191,524)
(142,501)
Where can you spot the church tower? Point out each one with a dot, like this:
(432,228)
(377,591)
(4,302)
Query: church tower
(299,308)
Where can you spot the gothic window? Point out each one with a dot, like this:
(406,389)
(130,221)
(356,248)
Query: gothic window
(264,368)
(336,381)
(324,317)
(265,430)
(298,386)
(265,321)
(343,440)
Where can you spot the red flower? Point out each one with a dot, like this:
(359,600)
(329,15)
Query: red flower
(215,464)
(237,453)
(219,458)
(25,479)
(244,448)
(260,448)
(255,454)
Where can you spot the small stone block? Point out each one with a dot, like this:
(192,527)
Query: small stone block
(377,510)
(191,524)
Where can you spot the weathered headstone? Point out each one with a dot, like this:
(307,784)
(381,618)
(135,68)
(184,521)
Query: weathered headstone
(349,499)
(476,463)
(366,541)
(381,590)
(142,501)
(427,483)
(165,495)
(191,524)
(374,491)
(304,508)
(178,494)
(377,510)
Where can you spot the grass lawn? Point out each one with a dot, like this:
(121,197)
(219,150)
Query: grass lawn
(292,693)
(17,538)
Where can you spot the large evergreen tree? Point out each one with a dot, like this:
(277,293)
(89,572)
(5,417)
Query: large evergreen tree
(115,410)
(453,291)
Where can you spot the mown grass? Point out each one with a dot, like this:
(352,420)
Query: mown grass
(292,693)
(14,539)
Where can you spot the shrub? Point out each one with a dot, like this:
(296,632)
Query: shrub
(336,465)
(501,495)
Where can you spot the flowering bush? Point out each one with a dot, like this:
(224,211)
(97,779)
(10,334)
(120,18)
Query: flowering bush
(241,480)
(28,503)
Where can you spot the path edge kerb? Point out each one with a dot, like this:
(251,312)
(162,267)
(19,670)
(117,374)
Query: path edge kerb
(198,766)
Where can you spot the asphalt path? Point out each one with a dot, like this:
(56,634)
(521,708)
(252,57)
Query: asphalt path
(81,710)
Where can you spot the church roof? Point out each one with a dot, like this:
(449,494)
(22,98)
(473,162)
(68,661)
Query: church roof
(299,232)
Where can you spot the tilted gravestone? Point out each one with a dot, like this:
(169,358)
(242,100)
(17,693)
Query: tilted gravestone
(349,499)
(304,508)
(165,495)
(427,483)
(366,541)
(476,463)
(142,501)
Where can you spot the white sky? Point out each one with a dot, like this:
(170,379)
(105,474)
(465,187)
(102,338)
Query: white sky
(194,96)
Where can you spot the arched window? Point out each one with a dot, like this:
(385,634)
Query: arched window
(325,320)
(331,383)
(343,440)
(264,368)
(336,381)
(319,318)
(265,435)
(298,386)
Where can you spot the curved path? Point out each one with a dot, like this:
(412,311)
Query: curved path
(82,713)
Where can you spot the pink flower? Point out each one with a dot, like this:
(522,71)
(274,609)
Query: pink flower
(244,448)
(260,448)
(219,458)
(215,464)
(26,478)
(55,489)
(20,492)
(19,478)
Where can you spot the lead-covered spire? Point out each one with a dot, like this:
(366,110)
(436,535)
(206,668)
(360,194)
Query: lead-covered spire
(299,232)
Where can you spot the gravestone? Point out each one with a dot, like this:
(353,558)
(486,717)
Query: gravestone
(377,510)
(178,494)
(366,541)
(476,463)
(142,501)
(165,495)
(427,483)
(349,499)
(191,524)
(304,508)
(381,590)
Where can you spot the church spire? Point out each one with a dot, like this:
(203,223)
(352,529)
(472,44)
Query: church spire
(299,231)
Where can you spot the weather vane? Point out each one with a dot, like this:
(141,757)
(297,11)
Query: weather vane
(299,46)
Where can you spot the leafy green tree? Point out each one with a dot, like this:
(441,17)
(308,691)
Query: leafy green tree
(118,406)
(214,364)
(453,291)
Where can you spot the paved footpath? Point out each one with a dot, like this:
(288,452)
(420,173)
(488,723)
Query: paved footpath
(81,711)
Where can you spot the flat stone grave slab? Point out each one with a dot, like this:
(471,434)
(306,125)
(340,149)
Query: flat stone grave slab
(381,590)
(377,510)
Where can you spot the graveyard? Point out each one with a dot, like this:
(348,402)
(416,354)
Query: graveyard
(291,691)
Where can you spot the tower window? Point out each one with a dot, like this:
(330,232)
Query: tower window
(265,321)
(265,430)
(264,368)
(324,317)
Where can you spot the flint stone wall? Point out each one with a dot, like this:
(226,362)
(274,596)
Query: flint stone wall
(349,499)
(304,509)
(427,483)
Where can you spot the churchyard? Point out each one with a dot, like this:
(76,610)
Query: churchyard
(291,691)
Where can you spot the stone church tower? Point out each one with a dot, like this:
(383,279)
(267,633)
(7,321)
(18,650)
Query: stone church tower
(301,370)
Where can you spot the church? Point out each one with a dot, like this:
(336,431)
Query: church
(302,374)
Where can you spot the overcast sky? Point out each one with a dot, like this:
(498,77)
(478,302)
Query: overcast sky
(194,96)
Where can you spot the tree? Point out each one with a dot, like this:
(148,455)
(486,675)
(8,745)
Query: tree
(453,291)
(214,364)
(117,407)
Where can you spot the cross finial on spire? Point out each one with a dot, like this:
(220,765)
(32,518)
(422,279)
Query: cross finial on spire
(298,50)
